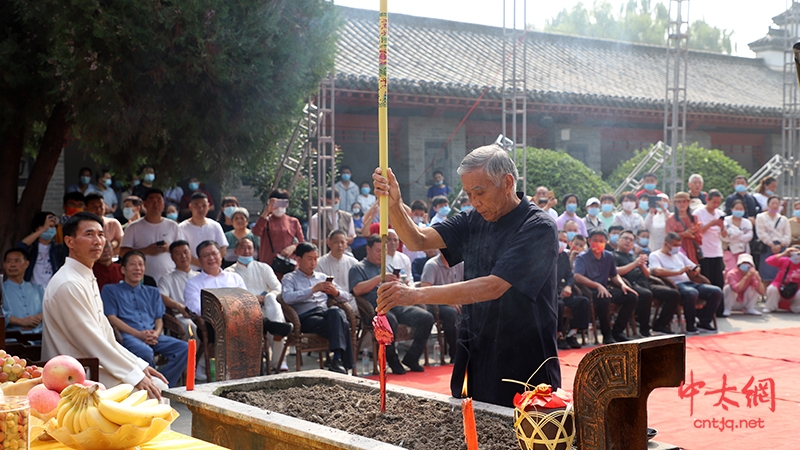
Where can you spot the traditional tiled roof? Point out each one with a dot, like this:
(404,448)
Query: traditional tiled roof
(433,57)
(774,40)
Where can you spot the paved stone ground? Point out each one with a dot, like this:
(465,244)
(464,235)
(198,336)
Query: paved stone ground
(736,322)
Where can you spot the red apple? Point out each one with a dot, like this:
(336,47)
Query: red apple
(62,371)
(100,386)
(43,400)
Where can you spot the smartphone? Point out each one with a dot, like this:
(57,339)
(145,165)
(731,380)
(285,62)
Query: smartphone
(281,203)
(161,243)
(396,272)
(329,279)
(653,201)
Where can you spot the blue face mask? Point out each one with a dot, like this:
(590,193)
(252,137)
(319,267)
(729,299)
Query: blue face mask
(467,208)
(364,191)
(769,193)
(135,182)
(570,235)
(335,206)
(744,267)
(48,234)
(674,251)
(194,186)
(150,177)
(650,186)
(737,213)
(245,259)
(228,211)
(108,182)
(443,211)
(345,177)
(86,180)
(593,211)
(644,204)
(644,242)
(607,207)
(571,208)
(796,213)
(172,216)
(613,239)
(439,183)
(740,188)
(127,213)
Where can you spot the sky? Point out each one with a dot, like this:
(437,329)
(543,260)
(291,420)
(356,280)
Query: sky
(748,19)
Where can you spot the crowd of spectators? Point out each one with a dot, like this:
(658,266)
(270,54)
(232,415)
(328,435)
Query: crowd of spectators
(694,256)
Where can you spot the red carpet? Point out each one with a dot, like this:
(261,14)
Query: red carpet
(716,420)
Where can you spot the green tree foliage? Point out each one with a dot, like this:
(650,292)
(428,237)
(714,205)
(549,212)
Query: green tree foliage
(717,169)
(637,21)
(563,174)
(203,88)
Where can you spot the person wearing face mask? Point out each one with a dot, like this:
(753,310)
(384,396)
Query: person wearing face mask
(696,193)
(348,190)
(684,223)
(739,233)
(649,183)
(335,219)
(607,205)
(239,219)
(578,304)
(229,205)
(592,219)
(570,202)
(613,237)
(148,177)
(262,282)
(84,184)
(713,230)
(642,246)
(787,264)
(44,254)
(597,270)
(671,263)
(743,287)
(766,188)
(103,186)
(794,223)
(628,218)
(279,232)
(131,210)
(464,205)
(543,199)
(438,188)
(365,199)
(751,205)
(359,246)
(441,209)
(775,233)
(656,222)
(194,185)
(171,213)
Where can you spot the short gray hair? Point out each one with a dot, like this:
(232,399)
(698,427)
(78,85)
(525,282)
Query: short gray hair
(240,210)
(695,176)
(493,160)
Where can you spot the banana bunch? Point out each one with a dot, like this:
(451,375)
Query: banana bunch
(83,407)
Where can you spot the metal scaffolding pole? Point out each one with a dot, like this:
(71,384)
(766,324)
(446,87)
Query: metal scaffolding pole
(675,97)
(322,163)
(790,137)
(514,91)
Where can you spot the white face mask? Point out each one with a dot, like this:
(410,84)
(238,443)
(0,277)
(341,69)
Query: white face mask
(675,250)
(278,212)
(795,259)
(562,246)
(628,206)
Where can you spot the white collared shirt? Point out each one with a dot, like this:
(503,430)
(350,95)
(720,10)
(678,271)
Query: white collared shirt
(205,281)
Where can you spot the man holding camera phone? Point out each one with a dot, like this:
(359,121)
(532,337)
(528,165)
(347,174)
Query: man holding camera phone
(279,233)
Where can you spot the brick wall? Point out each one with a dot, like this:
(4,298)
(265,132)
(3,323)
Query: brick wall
(422,130)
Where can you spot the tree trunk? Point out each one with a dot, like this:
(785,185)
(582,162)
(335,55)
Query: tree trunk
(16,217)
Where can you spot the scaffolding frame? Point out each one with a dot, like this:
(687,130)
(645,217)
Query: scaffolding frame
(675,97)
(322,160)
(515,90)
(790,136)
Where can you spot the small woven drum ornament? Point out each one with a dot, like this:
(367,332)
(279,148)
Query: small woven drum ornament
(543,419)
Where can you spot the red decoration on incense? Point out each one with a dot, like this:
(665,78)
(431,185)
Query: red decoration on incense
(384,336)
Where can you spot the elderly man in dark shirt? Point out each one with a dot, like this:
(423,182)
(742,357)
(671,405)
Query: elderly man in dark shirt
(594,268)
(509,247)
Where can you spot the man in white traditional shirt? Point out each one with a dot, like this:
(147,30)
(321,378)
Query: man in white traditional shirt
(199,228)
(172,285)
(76,321)
(337,263)
(262,282)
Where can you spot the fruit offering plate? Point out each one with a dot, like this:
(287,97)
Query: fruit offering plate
(128,436)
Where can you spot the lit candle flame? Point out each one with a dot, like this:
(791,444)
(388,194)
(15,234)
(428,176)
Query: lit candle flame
(464,387)
(191,335)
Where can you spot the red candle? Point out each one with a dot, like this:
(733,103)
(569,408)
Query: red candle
(470,431)
(190,362)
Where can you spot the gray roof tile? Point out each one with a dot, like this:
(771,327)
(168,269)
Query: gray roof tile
(443,58)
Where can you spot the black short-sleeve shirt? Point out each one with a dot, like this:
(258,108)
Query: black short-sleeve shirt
(509,337)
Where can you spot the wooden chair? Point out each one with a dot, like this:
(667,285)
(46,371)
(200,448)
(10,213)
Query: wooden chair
(403,332)
(613,309)
(309,342)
